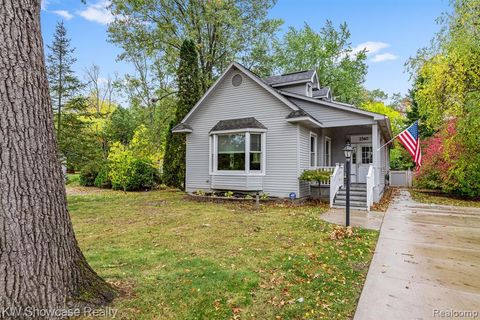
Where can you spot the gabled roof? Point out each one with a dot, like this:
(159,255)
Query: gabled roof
(272,85)
(291,78)
(249,74)
(242,123)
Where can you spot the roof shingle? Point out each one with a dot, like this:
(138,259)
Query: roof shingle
(242,123)
(322,92)
(289,77)
(182,127)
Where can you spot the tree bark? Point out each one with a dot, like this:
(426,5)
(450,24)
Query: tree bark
(41,265)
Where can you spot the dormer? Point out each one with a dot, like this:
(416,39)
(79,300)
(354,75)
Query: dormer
(301,82)
(322,93)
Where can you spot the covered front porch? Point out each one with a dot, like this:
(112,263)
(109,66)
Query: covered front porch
(368,164)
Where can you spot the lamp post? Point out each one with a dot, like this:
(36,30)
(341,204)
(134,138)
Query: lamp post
(348,155)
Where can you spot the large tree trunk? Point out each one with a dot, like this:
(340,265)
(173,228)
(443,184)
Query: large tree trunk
(41,264)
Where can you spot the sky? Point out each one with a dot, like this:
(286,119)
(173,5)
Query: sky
(391,30)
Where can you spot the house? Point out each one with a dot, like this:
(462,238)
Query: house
(255,134)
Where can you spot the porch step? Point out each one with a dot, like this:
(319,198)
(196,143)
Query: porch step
(343,197)
(358,196)
(342,203)
(355,188)
(352,192)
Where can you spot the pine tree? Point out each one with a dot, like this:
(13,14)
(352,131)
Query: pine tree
(189,92)
(63,82)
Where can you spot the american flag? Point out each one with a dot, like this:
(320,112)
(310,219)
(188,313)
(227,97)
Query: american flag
(411,141)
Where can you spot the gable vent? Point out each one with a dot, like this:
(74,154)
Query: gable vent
(237,80)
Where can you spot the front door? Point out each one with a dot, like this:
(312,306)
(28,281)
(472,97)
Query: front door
(364,158)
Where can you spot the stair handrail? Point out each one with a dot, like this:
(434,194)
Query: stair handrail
(370,186)
(336,182)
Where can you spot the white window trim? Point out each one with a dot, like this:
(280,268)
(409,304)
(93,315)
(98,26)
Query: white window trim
(315,152)
(329,162)
(213,156)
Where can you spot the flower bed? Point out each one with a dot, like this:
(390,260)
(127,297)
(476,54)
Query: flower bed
(229,196)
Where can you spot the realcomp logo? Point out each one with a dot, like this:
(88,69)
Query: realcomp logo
(450,313)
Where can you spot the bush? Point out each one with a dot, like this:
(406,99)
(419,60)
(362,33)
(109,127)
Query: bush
(449,164)
(73,179)
(315,175)
(103,180)
(129,173)
(89,173)
(143,175)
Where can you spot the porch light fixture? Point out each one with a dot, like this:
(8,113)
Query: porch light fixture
(348,150)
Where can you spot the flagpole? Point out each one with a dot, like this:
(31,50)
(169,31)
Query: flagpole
(389,141)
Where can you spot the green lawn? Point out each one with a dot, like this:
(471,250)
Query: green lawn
(440,198)
(178,259)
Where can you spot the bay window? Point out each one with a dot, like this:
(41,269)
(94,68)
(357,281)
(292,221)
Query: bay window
(237,152)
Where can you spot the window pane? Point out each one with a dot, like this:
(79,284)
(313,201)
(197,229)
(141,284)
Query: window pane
(327,152)
(255,142)
(367,155)
(312,143)
(255,161)
(231,161)
(231,152)
(312,159)
(231,143)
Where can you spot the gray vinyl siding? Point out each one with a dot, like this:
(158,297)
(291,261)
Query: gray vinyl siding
(330,116)
(242,183)
(247,100)
(304,158)
(300,88)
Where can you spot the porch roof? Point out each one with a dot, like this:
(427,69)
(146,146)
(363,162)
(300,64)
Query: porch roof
(314,114)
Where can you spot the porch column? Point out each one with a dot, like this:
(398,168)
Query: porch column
(375,153)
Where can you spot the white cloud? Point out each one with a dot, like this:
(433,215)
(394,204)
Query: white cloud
(98,12)
(384,57)
(370,46)
(64,14)
(44,4)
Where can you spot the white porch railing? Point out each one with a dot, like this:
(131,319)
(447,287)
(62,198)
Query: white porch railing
(370,186)
(336,182)
(328,169)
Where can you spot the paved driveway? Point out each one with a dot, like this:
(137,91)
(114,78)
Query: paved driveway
(426,264)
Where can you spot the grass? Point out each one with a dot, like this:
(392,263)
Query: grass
(178,259)
(442,198)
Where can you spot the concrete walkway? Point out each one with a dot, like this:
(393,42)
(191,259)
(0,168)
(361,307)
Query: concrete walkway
(358,218)
(426,264)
